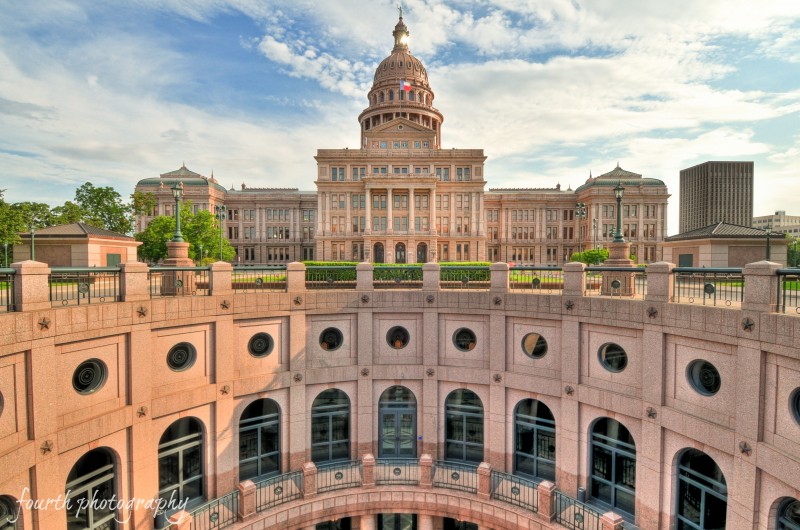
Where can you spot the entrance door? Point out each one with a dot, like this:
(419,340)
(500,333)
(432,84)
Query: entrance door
(112,260)
(400,253)
(422,253)
(378,253)
(398,436)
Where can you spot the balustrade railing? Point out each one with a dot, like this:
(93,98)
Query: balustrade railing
(712,286)
(455,476)
(397,471)
(788,291)
(178,281)
(574,514)
(331,277)
(219,513)
(258,278)
(515,490)
(6,290)
(277,490)
(384,277)
(338,475)
(83,285)
(547,280)
(630,282)
(466,277)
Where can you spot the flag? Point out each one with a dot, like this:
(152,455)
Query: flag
(405,86)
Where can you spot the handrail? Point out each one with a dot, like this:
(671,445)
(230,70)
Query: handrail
(722,270)
(178,269)
(59,270)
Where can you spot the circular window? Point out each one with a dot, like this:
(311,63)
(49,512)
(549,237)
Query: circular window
(181,356)
(330,339)
(397,337)
(260,345)
(464,339)
(703,377)
(794,404)
(89,376)
(534,345)
(612,357)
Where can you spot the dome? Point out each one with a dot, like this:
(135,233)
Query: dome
(400,64)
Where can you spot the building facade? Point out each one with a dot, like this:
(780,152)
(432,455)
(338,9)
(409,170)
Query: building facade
(779,222)
(400,197)
(715,192)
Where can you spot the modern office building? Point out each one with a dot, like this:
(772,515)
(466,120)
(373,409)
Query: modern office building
(779,222)
(716,192)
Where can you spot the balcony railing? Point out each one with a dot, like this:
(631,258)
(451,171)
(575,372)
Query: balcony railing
(575,514)
(83,285)
(338,476)
(718,286)
(515,490)
(219,513)
(178,281)
(467,277)
(331,277)
(277,490)
(788,290)
(258,278)
(545,280)
(455,476)
(397,471)
(384,277)
(6,290)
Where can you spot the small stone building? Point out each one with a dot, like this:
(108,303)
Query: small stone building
(724,245)
(77,245)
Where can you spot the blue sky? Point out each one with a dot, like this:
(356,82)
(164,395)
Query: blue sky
(114,92)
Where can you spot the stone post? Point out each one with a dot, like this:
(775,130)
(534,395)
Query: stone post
(660,282)
(181,520)
(309,480)
(611,521)
(368,470)
(430,277)
(499,276)
(364,274)
(425,471)
(31,286)
(618,257)
(247,500)
(221,278)
(546,491)
(295,277)
(760,286)
(133,283)
(484,480)
(574,278)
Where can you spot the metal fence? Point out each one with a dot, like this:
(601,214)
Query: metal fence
(547,280)
(397,277)
(629,282)
(575,514)
(219,513)
(331,277)
(466,277)
(83,285)
(720,286)
(178,281)
(397,471)
(259,278)
(338,476)
(455,476)
(277,490)
(6,290)
(788,290)
(515,490)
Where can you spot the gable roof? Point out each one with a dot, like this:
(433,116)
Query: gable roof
(722,231)
(77,230)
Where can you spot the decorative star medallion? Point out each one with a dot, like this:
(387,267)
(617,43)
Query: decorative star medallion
(44,323)
(748,324)
(430,298)
(429,372)
(498,378)
(569,390)
(498,300)
(365,372)
(225,389)
(141,412)
(569,305)
(47,446)
(298,300)
(142,311)
(651,413)
(745,448)
(364,298)
(652,312)
(297,378)
(225,304)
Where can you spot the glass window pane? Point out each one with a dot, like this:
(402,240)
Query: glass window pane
(714,514)
(689,501)
(193,488)
(192,464)
(248,444)
(167,471)
(269,438)
(248,469)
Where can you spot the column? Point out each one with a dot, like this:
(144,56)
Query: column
(292,224)
(258,224)
(368,229)
(411,211)
(348,230)
(389,203)
(432,212)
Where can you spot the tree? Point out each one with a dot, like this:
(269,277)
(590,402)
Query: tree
(590,257)
(104,208)
(793,254)
(36,213)
(68,213)
(143,203)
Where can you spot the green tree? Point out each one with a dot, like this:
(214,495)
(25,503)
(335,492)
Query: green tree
(143,203)
(104,208)
(590,257)
(68,213)
(793,252)
(37,213)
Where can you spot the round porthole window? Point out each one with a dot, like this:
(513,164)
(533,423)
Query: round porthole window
(181,357)
(612,357)
(794,404)
(464,339)
(330,339)
(397,337)
(534,345)
(89,376)
(703,377)
(260,345)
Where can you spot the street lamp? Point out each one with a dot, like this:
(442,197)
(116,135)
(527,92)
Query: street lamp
(618,191)
(177,192)
(220,215)
(580,213)
(33,242)
(201,255)
(5,253)
(769,233)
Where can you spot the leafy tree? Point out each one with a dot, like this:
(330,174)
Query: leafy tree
(37,213)
(590,257)
(68,213)
(143,203)
(793,252)
(104,208)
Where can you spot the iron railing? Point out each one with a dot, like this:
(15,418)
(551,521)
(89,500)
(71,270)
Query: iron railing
(7,290)
(630,282)
(788,290)
(83,285)
(397,277)
(455,476)
(537,279)
(466,277)
(708,286)
(277,490)
(338,475)
(575,514)
(219,513)
(259,278)
(397,471)
(331,277)
(515,490)
(178,281)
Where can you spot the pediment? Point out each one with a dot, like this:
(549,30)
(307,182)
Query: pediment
(399,125)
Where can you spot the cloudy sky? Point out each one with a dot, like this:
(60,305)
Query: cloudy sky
(117,91)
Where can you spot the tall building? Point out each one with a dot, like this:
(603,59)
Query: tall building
(779,222)
(715,192)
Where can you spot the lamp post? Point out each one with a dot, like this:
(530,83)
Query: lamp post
(177,192)
(201,255)
(220,215)
(5,253)
(769,233)
(618,191)
(580,213)
(33,242)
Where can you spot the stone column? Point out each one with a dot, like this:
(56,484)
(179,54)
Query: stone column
(760,286)
(425,472)
(430,276)
(368,469)
(348,218)
(367,522)
(546,491)
(499,277)
(31,286)
(181,520)
(368,203)
(364,275)
(133,283)
(247,500)
(221,278)
(411,213)
(389,211)
(574,278)
(425,522)
(611,521)
(309,480)
(660,282)
(618,257)
(484,480)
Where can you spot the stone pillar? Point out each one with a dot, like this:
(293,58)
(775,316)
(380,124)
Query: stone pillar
(221,278)
(295,277)
(411,213)
(389,212)
(181,520)
(430,277)
(31,286)
(178,283)
(367,522)
(484,480)
(368,470)
(425,471)
(574,278)
(133,283)
(499,277)
(611,521)
(309,480)
(425,522)
(660,282)
(760,286)
(368,204)
(618,257)
(546,491)
(364,274)
(247,500)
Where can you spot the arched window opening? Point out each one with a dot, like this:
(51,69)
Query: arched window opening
(391,95)
(330,427)
(90,488)
(400,253)
(463,427)
(377,253)
(180,462)
(613,480)
(422,253)
(382,97)
(259,440)
(535,440)
(789,515)
(397,436)
(702,493)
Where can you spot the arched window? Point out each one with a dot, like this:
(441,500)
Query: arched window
(788,515)
(463,416)
(411,95)
(89,484)
(702,493)
(613,480)
(391,95)
(377,253)
(400,253)
(330,427)
(382,97)
(10,516)
(259,440)
(180,462)
(422,253)
(535,440)
(397,437)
